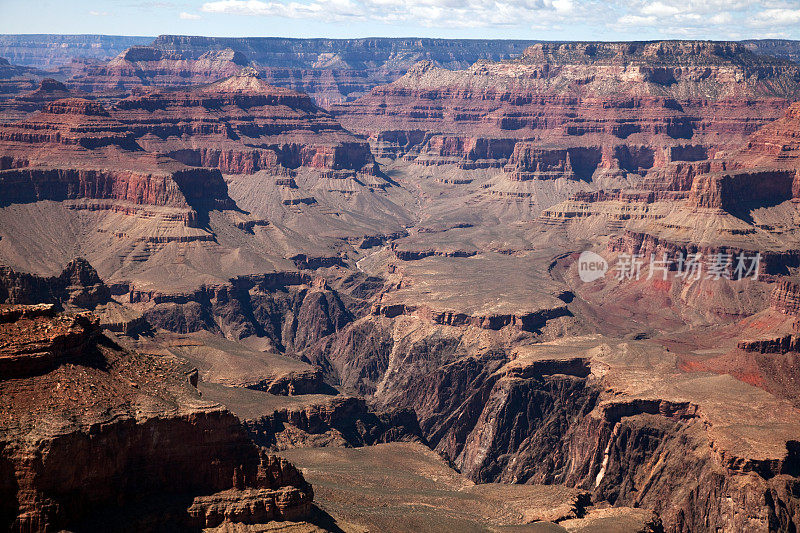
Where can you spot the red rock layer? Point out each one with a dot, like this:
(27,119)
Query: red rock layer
(47,91)
(773,154)
(70,121)
(41,340)
(182,188)
(140,151)
(742,189)
(771,262)
(242,125)
(142,65)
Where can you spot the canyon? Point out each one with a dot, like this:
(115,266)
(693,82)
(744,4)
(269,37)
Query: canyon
(336,285)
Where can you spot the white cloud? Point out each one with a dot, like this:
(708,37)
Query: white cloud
(660,9)
(721,18)
(436,13)
(189,16)
(99,13)
(680,18)
(637,20)
(704,18)
(777,17)
(563,6)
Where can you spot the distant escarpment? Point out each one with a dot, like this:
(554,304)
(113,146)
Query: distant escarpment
(26,102)
(160,155)
(329,70)
(70,433)
(238,125)
(47,51)
(567,110)
(16,79)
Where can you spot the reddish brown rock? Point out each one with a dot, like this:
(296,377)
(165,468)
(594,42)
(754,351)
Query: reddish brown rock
(786,298)
(48,90)
(78,285)
(36,340)
(71,432)
(742,189)
(242,125)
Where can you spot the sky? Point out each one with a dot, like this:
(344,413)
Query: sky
(491,19)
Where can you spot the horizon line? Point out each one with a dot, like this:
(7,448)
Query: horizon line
(392,38)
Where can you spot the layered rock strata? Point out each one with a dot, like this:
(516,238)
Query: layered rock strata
(329,70)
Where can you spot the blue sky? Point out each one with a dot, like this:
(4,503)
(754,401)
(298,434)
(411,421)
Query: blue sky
(513,19)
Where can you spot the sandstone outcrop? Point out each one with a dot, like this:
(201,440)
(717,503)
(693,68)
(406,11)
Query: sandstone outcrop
(48,90)
(314,420)
(37,340)
(543,415)
(786,298)
(77,286)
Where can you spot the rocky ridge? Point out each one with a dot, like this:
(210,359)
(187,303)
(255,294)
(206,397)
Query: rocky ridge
(69,431)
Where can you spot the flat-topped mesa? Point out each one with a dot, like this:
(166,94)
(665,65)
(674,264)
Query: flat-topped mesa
(242,125)
(67,121)
(150,66)
(77,149)
(75,106)
(743,189)
(533,162)
(682,52)
(188,189)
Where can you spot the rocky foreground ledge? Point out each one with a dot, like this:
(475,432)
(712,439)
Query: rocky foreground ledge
(95,438)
